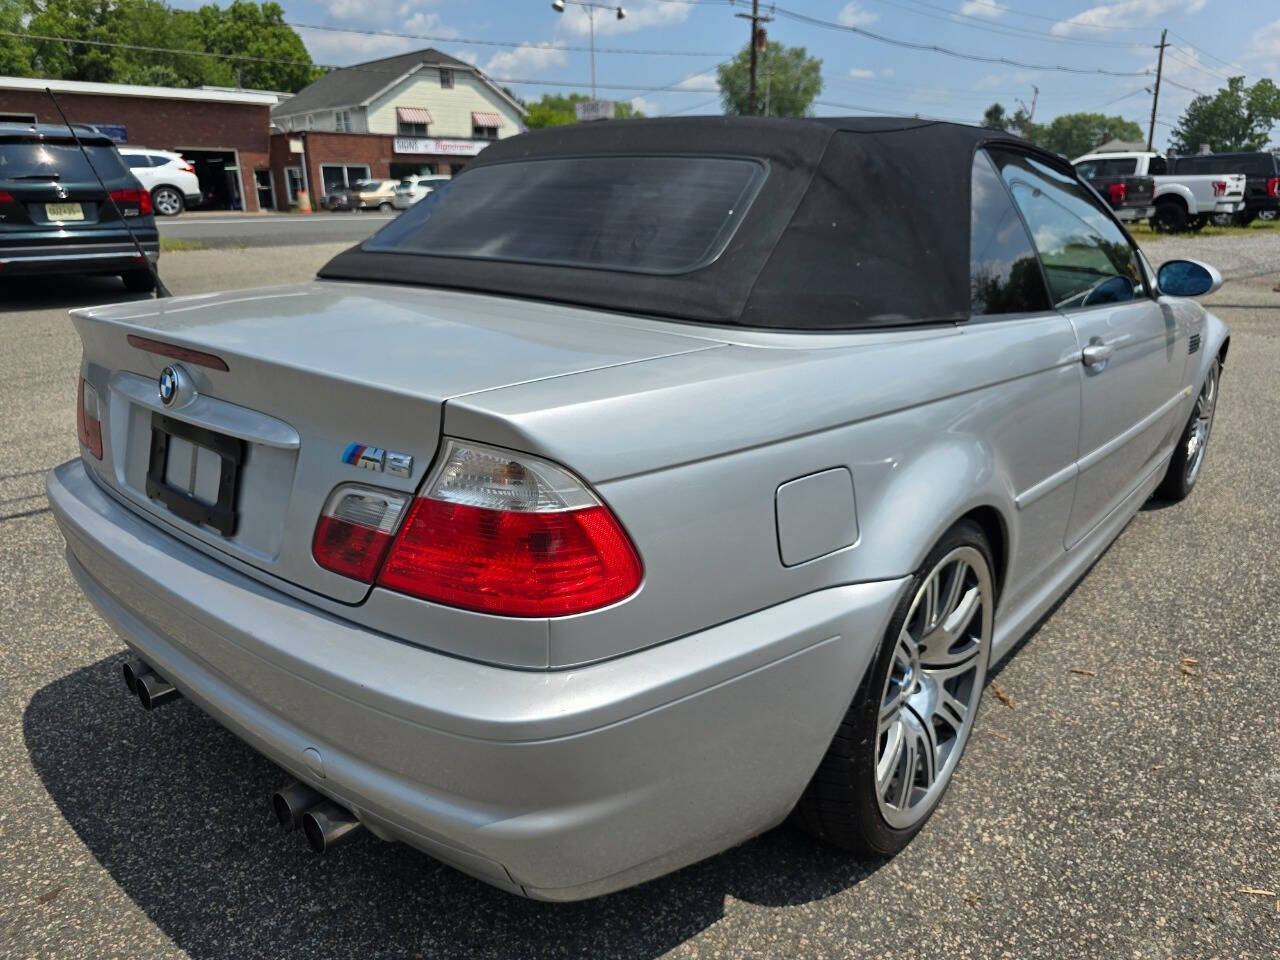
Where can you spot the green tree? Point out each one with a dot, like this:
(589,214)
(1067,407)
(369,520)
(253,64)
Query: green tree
(787,81)
(1235,118)
(1073,134)
(15,53)
(277,58)
(242,29)
(995,117)
(556,110)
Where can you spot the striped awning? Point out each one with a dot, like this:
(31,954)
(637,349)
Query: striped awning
(413,115)
(481,119)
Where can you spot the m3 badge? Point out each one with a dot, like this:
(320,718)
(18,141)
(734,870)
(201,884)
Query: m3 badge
(377,459)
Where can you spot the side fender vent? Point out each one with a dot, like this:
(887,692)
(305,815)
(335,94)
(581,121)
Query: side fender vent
(1193,345)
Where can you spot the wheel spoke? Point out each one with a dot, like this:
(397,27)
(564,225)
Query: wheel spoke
(890,758)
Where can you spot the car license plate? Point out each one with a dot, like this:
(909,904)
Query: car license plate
(64,211)
(194,472)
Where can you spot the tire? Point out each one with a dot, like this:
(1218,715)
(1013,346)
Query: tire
(1193,446)
(138,281)
(1170,217)
(386,206)
(860,798)
(1196,224)
(167,201)
(1246,218)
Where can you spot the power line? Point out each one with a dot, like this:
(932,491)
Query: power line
(1226,63)
(947,51)
(961,19)
(1039,16)
(1188,62)
(431,38)
(145,48)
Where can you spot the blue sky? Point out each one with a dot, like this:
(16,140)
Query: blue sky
(1210,40)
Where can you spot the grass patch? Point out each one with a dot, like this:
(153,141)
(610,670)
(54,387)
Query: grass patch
(178,244)
(1143,230)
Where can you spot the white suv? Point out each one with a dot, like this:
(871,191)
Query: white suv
(412,189)
(170,179)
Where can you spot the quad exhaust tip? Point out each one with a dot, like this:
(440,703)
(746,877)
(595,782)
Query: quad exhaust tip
(151,689)
(328,825)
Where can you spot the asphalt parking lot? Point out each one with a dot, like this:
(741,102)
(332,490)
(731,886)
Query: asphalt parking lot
(1120,797)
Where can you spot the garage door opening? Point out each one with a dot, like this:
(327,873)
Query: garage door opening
(219,174)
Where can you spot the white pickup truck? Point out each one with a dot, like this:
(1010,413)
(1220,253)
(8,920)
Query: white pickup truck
(1182,201)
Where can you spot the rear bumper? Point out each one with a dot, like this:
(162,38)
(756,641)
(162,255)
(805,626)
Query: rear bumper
(559,785)
(75,258)
(1228,206)
(1134,214)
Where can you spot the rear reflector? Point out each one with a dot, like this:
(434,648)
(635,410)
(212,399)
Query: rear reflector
(89,419)
(199,358)
(355,530)
(510,534)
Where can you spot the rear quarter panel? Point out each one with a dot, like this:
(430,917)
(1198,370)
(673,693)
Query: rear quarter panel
(689,452)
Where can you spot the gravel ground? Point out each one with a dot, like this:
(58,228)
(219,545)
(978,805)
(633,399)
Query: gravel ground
(1112,803)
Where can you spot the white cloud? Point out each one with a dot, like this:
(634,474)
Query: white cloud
(1265,46)
(525,60)
(339,49)
(1126,13)
(982,8)
(467,56)
(699,81)
(425,23)
(853,15)
(861,73)
(641,15)
(645,106)
(887,72)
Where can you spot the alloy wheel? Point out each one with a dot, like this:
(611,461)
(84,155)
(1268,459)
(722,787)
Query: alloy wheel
(167,202)
(1197,439)
(931,693)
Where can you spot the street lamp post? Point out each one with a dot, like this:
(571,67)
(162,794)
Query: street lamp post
(558,7)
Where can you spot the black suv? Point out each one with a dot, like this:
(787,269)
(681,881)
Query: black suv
(55,218)
(1261,170)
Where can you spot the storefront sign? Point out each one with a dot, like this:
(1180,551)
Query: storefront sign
(433,145)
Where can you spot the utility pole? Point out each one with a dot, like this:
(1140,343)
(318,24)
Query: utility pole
(1155,99)
(757,44)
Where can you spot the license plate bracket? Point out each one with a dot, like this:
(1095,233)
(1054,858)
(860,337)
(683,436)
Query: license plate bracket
(220,515)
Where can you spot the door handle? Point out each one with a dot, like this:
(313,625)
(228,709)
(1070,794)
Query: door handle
(1096,355)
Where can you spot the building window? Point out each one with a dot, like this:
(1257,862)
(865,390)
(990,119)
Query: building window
(293,182)
(446,79)
(17,118)
(407,129)
(484,133)
(342,121)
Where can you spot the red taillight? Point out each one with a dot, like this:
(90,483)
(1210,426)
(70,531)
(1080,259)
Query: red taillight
(6,197)
(1273,187)
(131,197)
(1118,192)
(512,535)
(186,167)
(88,418)
(355,530)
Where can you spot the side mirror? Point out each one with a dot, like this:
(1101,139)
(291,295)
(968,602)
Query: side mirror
(1187,278)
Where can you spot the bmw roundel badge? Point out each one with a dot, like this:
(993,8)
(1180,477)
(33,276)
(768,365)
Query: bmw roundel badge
(168,385)
(175,386)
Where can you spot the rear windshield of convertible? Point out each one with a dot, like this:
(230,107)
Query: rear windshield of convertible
(641,214)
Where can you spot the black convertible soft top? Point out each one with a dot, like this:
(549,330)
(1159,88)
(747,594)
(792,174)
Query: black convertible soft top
(859,222)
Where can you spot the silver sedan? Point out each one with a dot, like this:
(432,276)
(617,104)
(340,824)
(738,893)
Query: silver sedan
(654,483)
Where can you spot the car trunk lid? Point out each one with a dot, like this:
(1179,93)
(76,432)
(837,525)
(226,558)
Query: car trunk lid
(316,375)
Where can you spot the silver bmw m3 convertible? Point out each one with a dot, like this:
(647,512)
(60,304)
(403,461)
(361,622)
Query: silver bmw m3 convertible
(652,483)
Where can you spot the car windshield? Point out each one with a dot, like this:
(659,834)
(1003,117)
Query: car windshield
(646,214)
(29,158)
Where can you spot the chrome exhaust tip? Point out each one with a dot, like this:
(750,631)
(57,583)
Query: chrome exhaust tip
(133,669)
(328,825)
(291,802)
(155,691)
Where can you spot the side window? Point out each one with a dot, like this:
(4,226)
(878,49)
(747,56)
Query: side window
(1087,258)
(1089,168)
(1157,167)
(1004,275)
(135,160)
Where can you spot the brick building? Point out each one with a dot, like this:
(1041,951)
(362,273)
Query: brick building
(223,133)
(418,112)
